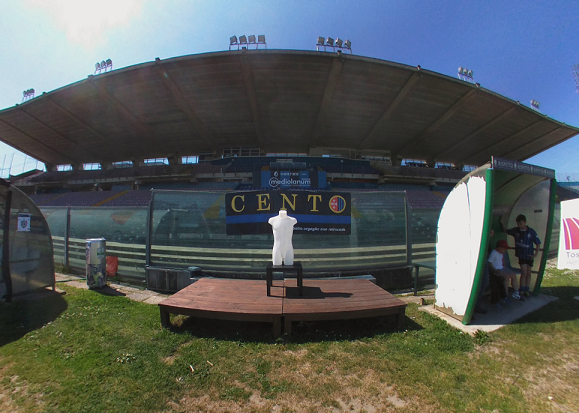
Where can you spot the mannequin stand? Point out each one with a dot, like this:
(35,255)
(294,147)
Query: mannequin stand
(296,267)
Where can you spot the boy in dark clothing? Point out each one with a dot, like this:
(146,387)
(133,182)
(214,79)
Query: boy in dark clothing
(526,239)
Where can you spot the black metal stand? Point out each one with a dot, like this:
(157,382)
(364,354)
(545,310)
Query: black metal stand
(296,267)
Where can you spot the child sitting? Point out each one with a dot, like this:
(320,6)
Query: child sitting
(497,268)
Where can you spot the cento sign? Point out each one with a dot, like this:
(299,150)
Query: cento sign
(317,212)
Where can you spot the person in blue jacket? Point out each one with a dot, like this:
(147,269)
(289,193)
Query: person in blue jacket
(526,248)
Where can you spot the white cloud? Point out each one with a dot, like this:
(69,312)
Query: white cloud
(87,23)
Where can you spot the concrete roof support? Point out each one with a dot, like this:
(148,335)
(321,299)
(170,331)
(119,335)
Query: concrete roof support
(438,122)
(534,141)
(408,86)
(472,137)
(491,149)
(182,102)
(333,76)
(71,141)
(124,112)
(118,146)
(59,156)
(249,81)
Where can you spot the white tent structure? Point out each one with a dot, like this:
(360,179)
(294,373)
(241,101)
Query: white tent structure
(26,251)
(489,197)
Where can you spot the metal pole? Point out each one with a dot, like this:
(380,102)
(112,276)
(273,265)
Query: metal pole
(409,239)
(6,247)
(11,162)
(66,236)
(149,231)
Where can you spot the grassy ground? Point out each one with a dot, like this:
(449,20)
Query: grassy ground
(83,351)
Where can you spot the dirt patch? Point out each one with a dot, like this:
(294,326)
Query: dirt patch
(13,388)
(362,392)
(417,299)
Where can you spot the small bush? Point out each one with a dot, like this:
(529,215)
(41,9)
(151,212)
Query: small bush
(482,337)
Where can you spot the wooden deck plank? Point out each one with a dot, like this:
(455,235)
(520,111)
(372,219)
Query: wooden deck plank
(247,300)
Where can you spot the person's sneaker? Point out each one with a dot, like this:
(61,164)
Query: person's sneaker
(516,295)
(506,301)
(527,294)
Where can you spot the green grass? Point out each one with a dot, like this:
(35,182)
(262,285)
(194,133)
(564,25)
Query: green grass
(83,351)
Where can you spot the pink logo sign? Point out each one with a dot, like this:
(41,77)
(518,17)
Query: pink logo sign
(571,233)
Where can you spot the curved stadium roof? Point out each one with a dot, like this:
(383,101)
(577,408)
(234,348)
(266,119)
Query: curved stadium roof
(281,101)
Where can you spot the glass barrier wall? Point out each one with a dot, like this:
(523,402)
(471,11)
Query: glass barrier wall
(123,228)
(56,219)
(189,230)
(423,224)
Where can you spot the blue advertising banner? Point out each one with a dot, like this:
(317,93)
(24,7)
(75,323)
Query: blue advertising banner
(317,212)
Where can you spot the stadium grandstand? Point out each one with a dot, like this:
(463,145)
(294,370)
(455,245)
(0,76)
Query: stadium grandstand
(200,126)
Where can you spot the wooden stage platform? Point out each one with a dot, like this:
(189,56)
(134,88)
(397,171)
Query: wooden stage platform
(246,300)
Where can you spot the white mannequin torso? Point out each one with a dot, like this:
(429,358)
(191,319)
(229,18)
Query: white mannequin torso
(283,227)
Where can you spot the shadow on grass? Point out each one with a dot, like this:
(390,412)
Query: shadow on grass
(110,291)
(26,314)
(302,332)
(566,308)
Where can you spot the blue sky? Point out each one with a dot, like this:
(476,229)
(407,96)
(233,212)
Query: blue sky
(520,49)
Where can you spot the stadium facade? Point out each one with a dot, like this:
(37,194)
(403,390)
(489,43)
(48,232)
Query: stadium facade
(397,137)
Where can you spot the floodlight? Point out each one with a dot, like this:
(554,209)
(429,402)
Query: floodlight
(339,42)
(97,66)
(330,41)
(251,39)
(242,39)
(233,42)
(348,44)
(321,40)
(261,38)
(460,70)
(470,73)
(109,63)
(27,95)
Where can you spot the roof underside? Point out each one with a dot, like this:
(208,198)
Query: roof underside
(281,102)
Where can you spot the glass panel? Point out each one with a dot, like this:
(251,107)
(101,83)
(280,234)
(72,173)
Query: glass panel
(123,228)
(424,224)
(56,219)
(31,263)
(189,230)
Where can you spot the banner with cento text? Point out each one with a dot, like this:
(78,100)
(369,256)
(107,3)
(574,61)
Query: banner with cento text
(569,236)
(317,212)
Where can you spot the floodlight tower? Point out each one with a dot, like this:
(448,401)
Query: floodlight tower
(465,74)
